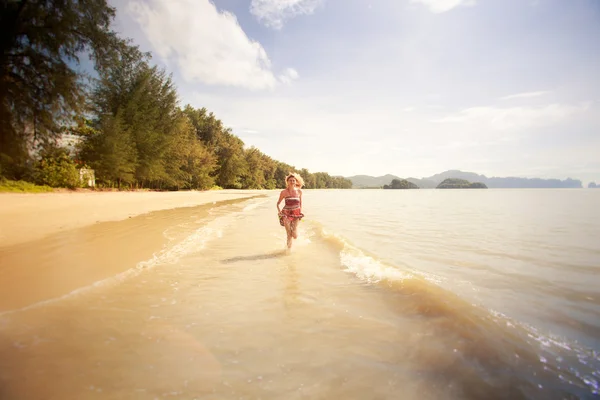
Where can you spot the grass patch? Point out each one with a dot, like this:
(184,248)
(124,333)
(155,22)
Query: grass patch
(8,186)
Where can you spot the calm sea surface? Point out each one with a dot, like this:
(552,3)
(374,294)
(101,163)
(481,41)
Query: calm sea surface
(386,294)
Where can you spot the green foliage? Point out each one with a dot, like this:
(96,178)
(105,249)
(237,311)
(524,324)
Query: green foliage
(477,185)
(14,157)
(56,169)
(40,45)
(460,184)
(229,150)
(133,132)
(80,126)
(190,163)
(254,177)
(111,153)
(400,184)
(11,186)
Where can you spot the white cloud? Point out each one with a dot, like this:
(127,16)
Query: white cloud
(440,6)
(208,46)
(289,75)
(525,95)
(273,13)
(346,132)
(513,117)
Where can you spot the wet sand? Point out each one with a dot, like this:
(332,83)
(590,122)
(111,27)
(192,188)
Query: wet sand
(55,244)
(26,217)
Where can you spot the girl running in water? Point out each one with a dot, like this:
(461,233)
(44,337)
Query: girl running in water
(292,210)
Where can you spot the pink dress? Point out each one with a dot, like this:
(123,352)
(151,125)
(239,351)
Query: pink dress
(291,210)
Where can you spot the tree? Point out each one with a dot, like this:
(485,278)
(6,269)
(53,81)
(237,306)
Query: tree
(452,183)
(309,179)
(320,180)
(254,177)
(56,169)
(281,172)
(143,101)
(269,169)
(40,45)
(111,152)
(150,113)
(190,163)
(400,184)
(232,163)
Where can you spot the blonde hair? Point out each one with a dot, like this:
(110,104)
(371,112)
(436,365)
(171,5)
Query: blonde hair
(299,180)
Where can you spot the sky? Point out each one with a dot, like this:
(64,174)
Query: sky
(406,87)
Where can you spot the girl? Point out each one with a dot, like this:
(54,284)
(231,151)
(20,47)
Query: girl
(292,211)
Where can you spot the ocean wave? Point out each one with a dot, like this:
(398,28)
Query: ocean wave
(568,362)
(367,266)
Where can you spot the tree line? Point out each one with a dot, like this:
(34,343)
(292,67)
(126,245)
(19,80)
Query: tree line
(400,184)
(133,132)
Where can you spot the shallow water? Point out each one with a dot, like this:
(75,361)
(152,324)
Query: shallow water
(386,294)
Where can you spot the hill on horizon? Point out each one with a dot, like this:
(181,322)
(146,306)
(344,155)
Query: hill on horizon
(364,181)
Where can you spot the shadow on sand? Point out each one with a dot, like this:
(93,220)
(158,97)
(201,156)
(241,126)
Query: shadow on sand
(274,254)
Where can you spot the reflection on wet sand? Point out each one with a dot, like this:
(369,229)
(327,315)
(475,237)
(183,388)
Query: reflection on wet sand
(291,288)
(257,257)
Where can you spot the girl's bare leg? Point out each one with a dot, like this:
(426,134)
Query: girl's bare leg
(294,228)
(288,229)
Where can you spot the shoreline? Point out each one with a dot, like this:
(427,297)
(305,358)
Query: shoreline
(29,216)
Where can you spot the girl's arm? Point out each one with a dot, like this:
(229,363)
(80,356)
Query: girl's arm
(281,196)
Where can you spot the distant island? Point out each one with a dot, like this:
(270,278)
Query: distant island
(400,184)
(451,183)
(592,185)
(432,182)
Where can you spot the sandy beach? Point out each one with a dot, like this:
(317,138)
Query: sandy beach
(183,296)
(27,217)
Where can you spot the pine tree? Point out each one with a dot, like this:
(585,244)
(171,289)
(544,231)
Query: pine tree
(40,45)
